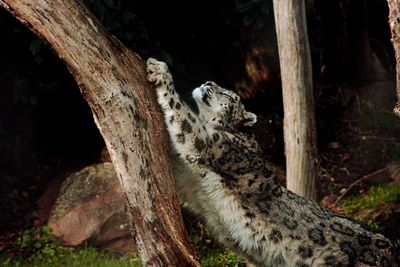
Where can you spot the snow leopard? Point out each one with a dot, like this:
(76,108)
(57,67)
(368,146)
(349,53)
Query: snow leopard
(241,200)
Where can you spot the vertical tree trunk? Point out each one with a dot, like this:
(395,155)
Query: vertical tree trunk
(298,100)
(394,22)
(113,81)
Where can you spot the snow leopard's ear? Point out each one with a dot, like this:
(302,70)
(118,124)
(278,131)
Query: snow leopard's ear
(249,119)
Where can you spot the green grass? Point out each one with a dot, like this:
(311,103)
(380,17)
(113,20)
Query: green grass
(71,257)
(378,203)
(221,258)
(37,247)
(211,253)
(377,195)
(89,257)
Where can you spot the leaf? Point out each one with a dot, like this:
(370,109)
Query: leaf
(25,241)
(260,21)
(128,16)
(248,19)
(166,57)
(115,27)
(35,46)
(101,10)
(33,98)
(129,36)
(240,8)
(266,8)
(110,3)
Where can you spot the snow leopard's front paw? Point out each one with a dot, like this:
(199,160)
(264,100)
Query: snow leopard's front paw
(157,71)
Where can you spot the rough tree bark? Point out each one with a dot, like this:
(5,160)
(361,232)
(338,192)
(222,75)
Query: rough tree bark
(394,22)
(298,100)
(113,81)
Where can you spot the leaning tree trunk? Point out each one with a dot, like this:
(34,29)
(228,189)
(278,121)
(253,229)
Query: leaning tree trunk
(112,79)
(298,100)
(394,22)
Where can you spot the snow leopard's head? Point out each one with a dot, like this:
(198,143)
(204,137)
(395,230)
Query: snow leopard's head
(221,108)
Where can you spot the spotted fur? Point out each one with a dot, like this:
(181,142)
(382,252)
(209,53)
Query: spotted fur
(240,199)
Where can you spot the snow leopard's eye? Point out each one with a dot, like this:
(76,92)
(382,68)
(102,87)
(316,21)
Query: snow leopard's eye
(209,83)
(230,97)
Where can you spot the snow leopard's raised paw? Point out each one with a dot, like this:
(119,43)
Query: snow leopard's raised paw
(157,71)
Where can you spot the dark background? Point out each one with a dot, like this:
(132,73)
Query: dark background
(47,130)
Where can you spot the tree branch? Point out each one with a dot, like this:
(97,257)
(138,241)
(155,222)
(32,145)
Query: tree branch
(113,81)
